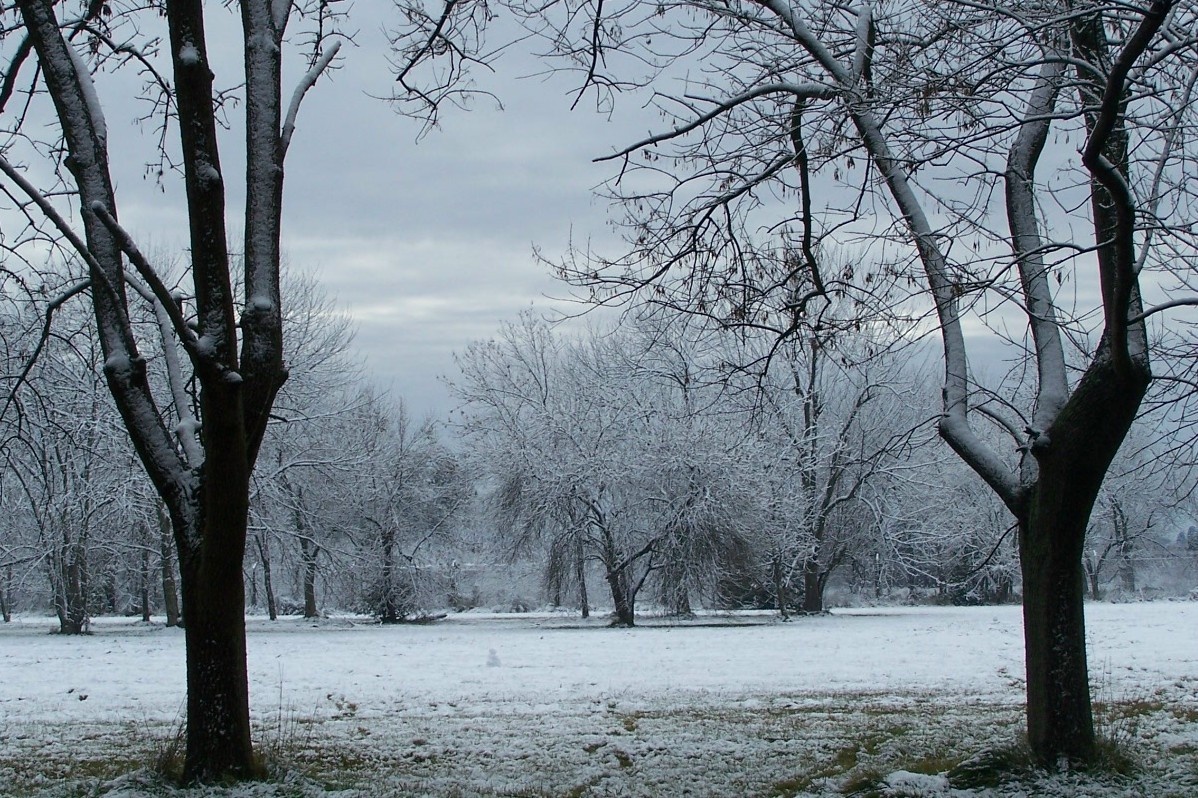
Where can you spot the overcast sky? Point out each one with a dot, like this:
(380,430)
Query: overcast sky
(427,244)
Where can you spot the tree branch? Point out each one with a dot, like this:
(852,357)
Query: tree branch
(305,84)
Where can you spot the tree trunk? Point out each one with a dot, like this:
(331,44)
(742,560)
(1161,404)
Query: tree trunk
(622,598)
(388,611)
(218,703)
(780,597)
(1072,463)
(580,574)
(1059,717)
(6,596)
(1091,571)
(267,583)
(308,553)
(218,728)
(144,580)
(1127,575)
(682,602)
(170,596)
(813,586)
(72,618)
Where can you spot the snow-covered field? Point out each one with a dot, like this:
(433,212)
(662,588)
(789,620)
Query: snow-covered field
(548,705)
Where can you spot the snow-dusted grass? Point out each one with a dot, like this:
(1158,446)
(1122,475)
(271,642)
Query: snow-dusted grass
(547,705)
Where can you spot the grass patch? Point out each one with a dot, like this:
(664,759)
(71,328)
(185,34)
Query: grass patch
(1184,714)
(934,764)
(991,768)
(867,784)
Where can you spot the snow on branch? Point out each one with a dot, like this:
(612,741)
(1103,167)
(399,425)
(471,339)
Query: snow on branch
(1110,112)
(306,83)
(188,424)
(1190,301)
(161,293)
(863,51)
(88,87)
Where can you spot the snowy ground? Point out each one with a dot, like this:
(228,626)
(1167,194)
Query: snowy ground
(547,705)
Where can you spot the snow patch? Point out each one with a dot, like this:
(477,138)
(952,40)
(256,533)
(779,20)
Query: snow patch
(189,54)
(117,363)
(206,172)
(206,346)
(90,97)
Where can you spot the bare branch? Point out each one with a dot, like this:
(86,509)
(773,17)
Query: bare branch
(800,92)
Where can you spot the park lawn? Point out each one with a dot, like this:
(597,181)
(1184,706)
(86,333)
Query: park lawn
(882,700)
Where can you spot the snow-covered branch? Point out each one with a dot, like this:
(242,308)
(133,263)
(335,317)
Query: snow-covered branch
(162,294)
(306,83)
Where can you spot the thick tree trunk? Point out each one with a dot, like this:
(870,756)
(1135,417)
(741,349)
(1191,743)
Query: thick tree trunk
(211,557)
(1059,717)
(388,607)
(72,616)
(1072,463)
(218,728)
(622,598)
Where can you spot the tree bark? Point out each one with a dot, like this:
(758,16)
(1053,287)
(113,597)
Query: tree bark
(780,597)
(218,729)
(73,615)
(272,609)
(580,574)
(623,602)
(1072,463)
(388,609)
(170,595)
(144,579)
(308,553)
(6,596)
(813,586)
(218,707)
(1092,576)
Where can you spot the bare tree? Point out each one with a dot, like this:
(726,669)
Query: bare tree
(199,457)
(409,493)
(599,449)
(839,428)
(223,351)
(918,124)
